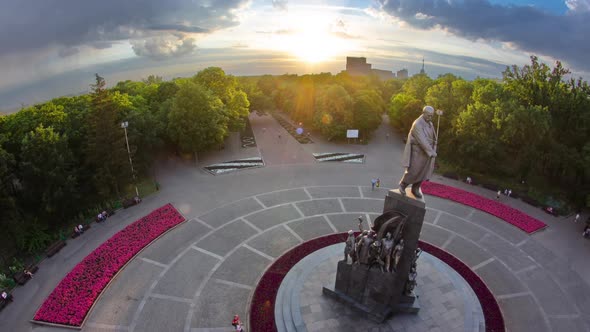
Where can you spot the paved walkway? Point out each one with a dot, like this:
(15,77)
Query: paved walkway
(198,275)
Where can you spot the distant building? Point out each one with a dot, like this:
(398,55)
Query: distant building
(359,67)
(383,74)
(402,73)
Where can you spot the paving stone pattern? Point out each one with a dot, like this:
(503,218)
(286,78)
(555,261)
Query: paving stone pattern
(242,242)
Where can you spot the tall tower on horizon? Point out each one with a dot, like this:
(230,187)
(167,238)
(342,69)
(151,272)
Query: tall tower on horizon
(422,71)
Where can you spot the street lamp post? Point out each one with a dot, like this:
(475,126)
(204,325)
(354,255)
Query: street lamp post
(124,125)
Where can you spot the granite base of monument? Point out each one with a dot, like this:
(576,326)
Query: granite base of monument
(370,289)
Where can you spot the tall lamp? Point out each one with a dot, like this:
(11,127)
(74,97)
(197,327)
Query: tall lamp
(124,125)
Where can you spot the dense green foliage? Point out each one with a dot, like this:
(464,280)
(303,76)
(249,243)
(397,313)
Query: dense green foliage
(61,159)
(533,126)
(328,103)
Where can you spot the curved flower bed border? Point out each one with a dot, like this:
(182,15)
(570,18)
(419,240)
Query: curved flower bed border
(502,211)
(263,300)
(70,302)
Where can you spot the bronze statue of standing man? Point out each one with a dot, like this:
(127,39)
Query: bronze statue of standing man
(420,152)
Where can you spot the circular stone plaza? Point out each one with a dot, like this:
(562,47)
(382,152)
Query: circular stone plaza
(201,273)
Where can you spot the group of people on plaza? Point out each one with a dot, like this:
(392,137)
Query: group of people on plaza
(79,229)
(375,183)
(102,216)
(507,192)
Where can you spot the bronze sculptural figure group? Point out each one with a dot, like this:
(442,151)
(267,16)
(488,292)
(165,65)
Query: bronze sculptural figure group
(367,249)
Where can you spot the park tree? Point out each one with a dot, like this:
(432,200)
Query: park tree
(19,124)
(403,110)
(417,86)
(153,79)
(48,175)
(9,218)
(525,131)
(267,84)
(368,107)
(477,145)
(106,152)
(390,88)
(197,120)
(333,111)
(225,87)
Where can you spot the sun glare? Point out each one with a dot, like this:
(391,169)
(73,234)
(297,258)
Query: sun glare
(311,38)
(315,47)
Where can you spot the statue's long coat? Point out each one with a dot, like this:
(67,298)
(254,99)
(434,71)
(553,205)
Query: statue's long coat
(421,142)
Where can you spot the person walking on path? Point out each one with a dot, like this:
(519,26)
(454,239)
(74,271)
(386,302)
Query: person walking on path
(509,192)
(373,183)
(577,217)
(378,183)
(498,194)
(236,321)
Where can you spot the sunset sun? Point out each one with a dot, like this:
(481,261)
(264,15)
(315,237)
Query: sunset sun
(311,38)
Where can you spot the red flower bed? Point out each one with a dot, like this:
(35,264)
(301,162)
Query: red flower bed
(504,212)
(262,316)
(73,297)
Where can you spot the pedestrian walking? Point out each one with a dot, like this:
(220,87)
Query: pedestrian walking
(373,183)
(498,194)
(468,180)
(236,321)
(577,217)
(506,192)
(509,192)
(378,184)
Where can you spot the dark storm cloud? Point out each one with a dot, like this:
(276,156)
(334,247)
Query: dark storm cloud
(564,37)
(32,24)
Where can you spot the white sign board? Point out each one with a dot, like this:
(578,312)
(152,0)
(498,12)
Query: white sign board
(352,133)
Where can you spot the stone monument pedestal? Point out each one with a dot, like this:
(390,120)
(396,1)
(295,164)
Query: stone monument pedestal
(372,292)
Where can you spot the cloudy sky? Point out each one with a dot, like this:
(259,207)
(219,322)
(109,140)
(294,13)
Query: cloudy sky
(50,48)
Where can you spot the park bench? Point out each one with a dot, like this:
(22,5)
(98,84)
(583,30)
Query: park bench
(129,202)
(55,248)
(21,278)
(530,201)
